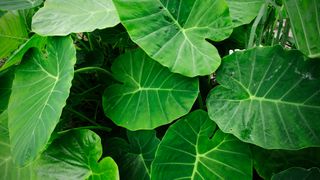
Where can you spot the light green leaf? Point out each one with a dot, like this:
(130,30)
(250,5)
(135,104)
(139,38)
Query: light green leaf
(191,149)
(39,92)
(135,156)
(150,95)
(174,33)
(298,173)
(269,97)
(269,162)
(305,23)
(244,11)
(18,4)
(75,156)
(35,41)
(13,32)
(61,17)
(8,170)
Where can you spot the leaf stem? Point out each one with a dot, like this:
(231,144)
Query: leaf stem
(98,69)
(255,24)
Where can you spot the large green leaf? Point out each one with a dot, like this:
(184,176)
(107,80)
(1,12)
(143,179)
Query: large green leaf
(13,32)
(135,156)
(269,162)
(35,41)
(174,32)
(305,23)
(18,4)
(39,92)
(298,173)
(192,149)
(61,17)
(150,95)
(8,170)
(75,155)
(269,97)
(244,11)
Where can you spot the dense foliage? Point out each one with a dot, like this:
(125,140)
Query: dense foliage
(159,89)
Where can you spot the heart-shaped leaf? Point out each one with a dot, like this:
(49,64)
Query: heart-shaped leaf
(18,4)
(305,22)
(39,92)
(150,96)
(174,32)
(298,173)
(269,97)
(135,156)
(75,156)
(60,17)
(191,149)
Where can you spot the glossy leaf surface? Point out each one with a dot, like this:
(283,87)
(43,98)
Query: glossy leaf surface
(135,156)
(39,92)
(174,33)
(75,156)
(269,97)
(60,17)
(191,149)
(150,95)
(305,22)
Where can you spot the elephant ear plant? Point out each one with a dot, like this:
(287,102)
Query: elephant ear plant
(159,89)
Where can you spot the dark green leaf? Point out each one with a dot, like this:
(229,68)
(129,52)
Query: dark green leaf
(269,97)
(298,173)
(305,22)
(39,92)
(150,95)
(61,17)
(75,156)
(174,33)
(135,156)
(5,89)
(191,149)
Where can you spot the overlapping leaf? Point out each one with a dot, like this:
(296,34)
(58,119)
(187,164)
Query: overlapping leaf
(18,4)
(75,156)
(191,149)
(150,96)
(39,92)
(244,11)
(13,32)
(269,97)
(298,173)
(135,156)
(174,33)
(5,89)
(60,17)
(305,23)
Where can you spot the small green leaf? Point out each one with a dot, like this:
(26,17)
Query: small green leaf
(269,162)
(191,149)
(61,17)
(305,23)
(35,41)
(19,4)
(75,155)
(135,156)
(268,97)
(298,173)
(244,11)
(150,95)
(39,92)
(8,170)
(13,33)
(174,33)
